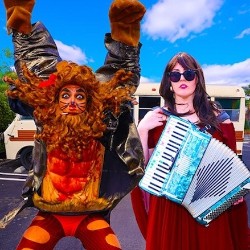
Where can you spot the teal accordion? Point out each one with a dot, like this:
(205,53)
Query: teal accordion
(193,169)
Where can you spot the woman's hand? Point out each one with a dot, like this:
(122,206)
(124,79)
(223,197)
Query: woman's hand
(152,119)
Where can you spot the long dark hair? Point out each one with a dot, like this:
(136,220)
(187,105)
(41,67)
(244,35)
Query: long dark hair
(204,107)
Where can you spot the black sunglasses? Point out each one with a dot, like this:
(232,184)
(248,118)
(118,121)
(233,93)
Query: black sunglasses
(175,76)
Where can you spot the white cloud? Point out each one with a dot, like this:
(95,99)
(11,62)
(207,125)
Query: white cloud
(145,79)
(71,53)
(236,74)
(171,20)
(243,33)
(230,74)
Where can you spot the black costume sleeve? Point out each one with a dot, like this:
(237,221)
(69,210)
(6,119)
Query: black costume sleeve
(39,53)
(120,56)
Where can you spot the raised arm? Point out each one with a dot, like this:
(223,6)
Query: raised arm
(123,43)
(33,45)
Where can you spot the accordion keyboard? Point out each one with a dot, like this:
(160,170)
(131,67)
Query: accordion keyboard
(162,159)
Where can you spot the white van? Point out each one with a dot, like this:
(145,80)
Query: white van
(19,136)
(19,139)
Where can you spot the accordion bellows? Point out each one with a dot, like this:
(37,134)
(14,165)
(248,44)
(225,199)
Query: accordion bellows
(193,169)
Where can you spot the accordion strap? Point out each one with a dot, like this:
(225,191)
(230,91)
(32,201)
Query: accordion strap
(165,112)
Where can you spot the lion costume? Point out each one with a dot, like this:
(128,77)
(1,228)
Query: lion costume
(83,164)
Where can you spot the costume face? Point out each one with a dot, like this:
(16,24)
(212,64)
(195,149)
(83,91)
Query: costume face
(183,88)
(72,99)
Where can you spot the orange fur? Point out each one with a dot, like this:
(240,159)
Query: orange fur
(72,133)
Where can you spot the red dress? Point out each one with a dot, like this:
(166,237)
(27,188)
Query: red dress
(169,226)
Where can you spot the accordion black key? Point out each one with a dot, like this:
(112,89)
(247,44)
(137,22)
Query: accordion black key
(193,169)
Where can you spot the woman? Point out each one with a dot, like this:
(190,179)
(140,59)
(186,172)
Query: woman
(163,223)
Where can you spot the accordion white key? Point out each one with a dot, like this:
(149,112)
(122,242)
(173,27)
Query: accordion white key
(193,169)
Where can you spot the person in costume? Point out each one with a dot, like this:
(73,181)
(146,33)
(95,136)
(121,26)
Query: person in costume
(87,154)
(164,223)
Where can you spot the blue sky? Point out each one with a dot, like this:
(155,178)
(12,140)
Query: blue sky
(215,32)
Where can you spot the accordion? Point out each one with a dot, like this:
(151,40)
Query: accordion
(193,169)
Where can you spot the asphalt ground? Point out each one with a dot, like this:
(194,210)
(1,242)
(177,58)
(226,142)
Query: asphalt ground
(122,219)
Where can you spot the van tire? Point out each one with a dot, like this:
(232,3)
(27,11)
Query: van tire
(25,157)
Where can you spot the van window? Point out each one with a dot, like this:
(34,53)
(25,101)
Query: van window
(22,117)
(231,106)
(146,103)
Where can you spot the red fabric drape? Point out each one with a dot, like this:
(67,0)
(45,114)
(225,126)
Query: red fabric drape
(168,225)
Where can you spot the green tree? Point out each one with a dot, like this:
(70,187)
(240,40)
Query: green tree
(247,90)
(247,121)
(6,115)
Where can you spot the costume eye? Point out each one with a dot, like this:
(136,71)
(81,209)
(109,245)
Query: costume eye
(80,97)
(65,95)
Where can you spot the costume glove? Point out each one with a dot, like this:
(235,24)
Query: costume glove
(18,14)
(125,17)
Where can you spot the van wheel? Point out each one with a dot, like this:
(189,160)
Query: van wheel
(26,157)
